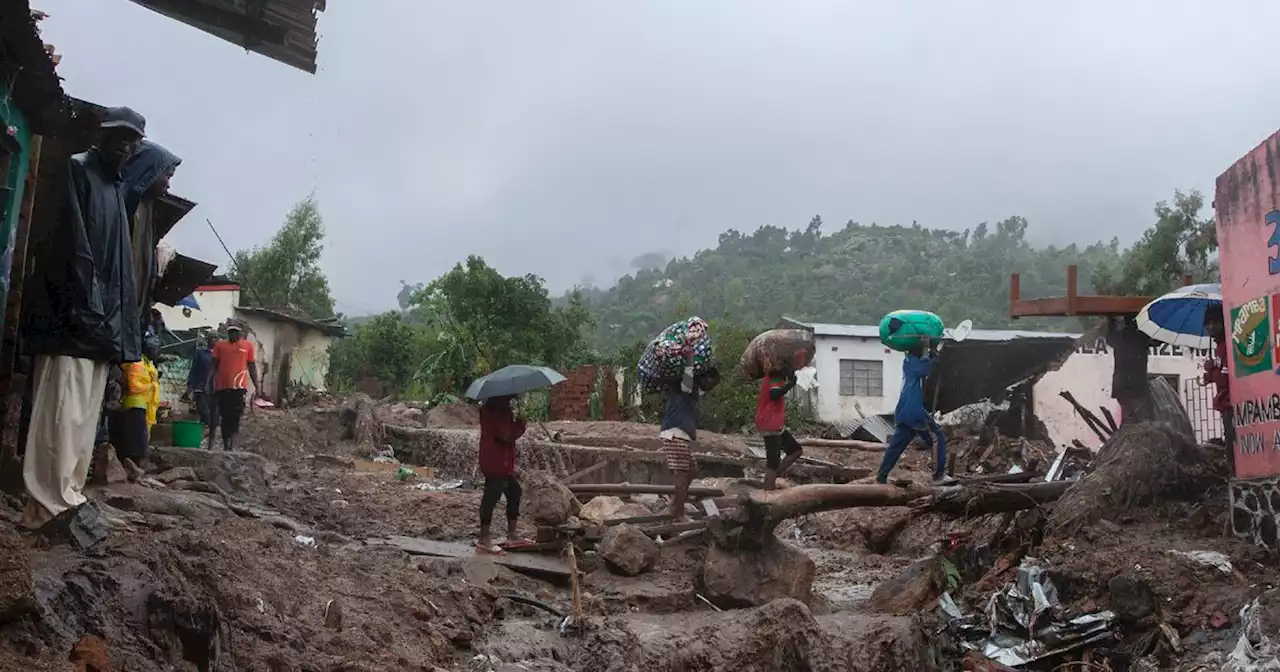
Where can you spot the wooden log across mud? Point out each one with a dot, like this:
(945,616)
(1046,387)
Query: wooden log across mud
(639,489)
(761,511)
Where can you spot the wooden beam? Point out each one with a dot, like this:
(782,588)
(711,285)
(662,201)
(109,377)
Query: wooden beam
(588,471)
(639,489)
(1073,292)
(852,444)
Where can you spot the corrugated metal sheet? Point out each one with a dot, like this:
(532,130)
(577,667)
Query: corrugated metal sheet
(283,30)
(873,331)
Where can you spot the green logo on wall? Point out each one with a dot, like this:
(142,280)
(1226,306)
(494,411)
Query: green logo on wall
(1251,337)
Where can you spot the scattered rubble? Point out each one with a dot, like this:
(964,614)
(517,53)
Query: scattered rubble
(232,558)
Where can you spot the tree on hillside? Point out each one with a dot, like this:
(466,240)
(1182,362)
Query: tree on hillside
(496,320)
(1179,244)
(853,275)
(286,271)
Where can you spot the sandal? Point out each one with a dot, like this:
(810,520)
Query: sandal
(489,550)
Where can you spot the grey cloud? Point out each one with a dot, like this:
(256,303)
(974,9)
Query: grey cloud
(565,138)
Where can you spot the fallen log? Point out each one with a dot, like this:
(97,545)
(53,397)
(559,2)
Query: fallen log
(980,499)
(639,489)
(760,511)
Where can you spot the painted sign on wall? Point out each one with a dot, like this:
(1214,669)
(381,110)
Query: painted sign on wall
(1247,205)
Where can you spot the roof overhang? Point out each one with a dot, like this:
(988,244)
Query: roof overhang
(37,90)
(283,30)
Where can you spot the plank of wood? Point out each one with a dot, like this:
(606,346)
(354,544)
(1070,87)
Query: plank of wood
(853,444)
(522,562)
(675,528)
(639,489)
(587,472)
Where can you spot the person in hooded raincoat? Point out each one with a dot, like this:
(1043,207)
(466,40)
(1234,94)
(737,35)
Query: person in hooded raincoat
(82,318)
(146,177)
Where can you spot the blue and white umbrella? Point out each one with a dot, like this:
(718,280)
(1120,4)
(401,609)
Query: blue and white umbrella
(1177,318)
(189,302)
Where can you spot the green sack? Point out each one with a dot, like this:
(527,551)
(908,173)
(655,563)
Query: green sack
(901,330)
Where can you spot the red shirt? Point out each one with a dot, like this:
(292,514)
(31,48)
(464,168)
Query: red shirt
(232,363)
(1218,376)
(771,414)
(499,430)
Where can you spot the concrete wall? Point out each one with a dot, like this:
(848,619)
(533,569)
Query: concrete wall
(571,400)
(216,305)
(834,407)
(1247,207)
(1087,375)
(306,349)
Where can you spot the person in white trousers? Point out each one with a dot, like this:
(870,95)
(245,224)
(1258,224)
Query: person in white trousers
(82,319)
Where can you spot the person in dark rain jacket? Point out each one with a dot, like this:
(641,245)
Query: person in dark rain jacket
(82,318)
(911,419)
(499,431)
(146,177)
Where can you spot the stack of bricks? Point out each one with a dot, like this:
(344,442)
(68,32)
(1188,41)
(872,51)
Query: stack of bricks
(571,400)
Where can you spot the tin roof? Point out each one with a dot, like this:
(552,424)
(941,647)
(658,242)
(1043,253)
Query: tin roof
(283,30)
(873,331)
(27,66)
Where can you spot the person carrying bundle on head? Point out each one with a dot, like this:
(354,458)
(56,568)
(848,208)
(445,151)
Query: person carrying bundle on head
(680,429)
(910,417)
(771,422)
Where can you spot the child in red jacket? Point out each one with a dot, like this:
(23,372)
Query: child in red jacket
(499,430)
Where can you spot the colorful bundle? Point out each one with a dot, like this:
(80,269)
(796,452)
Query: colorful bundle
(682,344)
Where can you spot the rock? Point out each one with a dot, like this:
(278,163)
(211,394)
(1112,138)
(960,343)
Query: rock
(332,461)
(754,577)
(441,567)
(333,615)
(600,509)
(235,472)
(547,501)
(631,510)
(914,590)
(627,550)
(177,474)
(106,466)
(1131,597)
(90,655)
(84,526)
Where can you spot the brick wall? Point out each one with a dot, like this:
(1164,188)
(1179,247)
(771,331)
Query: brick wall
(571,400)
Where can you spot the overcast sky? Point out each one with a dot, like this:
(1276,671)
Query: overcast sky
(565,138)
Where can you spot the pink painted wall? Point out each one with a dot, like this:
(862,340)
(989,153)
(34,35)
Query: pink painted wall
(1248,211)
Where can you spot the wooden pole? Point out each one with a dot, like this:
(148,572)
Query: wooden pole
(639,489)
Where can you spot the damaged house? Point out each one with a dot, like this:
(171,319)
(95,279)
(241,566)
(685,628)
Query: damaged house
(859,380)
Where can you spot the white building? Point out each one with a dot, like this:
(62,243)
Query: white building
(291,348)
(859,377)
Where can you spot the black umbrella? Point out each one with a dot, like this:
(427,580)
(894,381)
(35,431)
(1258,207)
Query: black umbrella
(512,380)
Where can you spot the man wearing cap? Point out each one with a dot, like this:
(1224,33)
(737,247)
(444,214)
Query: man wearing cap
(82,318)
(234,365)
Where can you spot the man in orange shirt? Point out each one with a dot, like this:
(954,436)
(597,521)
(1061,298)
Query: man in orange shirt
(234,365)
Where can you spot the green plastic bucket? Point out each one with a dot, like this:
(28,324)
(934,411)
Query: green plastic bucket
(902,329)
(187,433)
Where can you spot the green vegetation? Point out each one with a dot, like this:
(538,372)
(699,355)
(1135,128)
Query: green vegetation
(286,271)
(473,319)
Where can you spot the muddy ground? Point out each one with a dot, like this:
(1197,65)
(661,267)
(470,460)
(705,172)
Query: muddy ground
(193,580)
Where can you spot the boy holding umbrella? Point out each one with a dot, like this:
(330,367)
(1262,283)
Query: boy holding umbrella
(500,428)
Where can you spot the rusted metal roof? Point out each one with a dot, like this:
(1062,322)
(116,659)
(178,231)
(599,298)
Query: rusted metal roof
(284,30)
(27,68)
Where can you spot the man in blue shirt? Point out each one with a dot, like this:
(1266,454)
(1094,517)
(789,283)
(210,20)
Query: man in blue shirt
(910,417)
(198,384)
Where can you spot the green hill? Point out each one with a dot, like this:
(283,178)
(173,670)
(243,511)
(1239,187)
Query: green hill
(854,275)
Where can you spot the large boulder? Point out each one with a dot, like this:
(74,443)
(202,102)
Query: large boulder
(627,550)
(753,577)
(1130,597)
(913,590)
(603,508)
(235,472)
(547,501)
